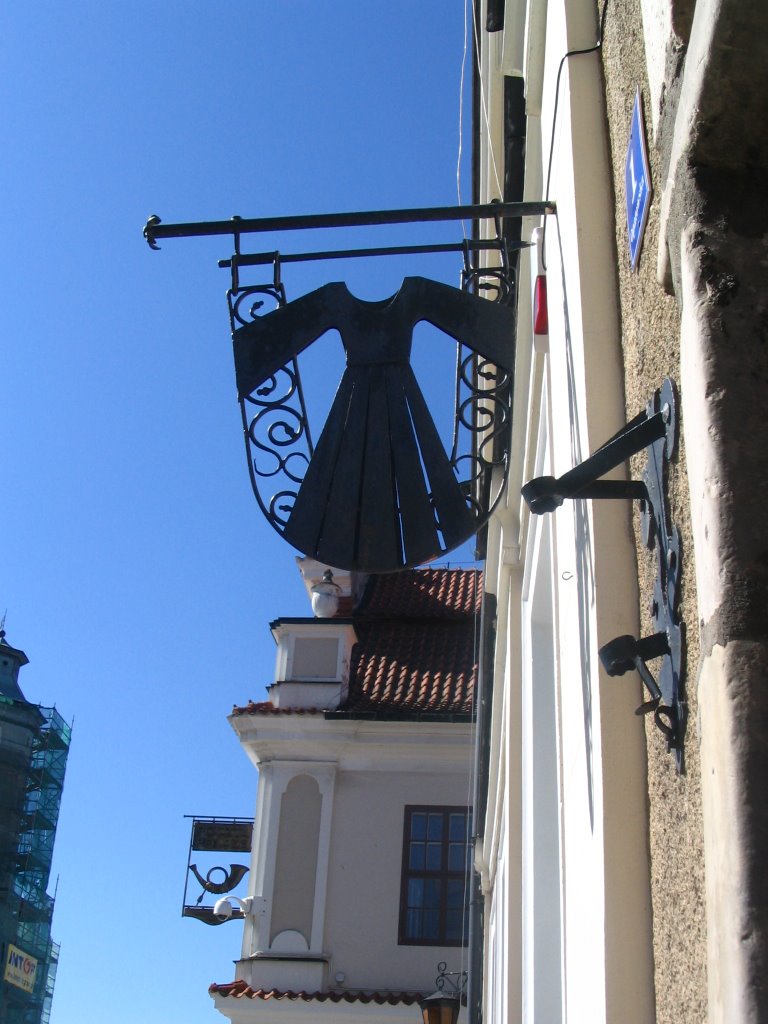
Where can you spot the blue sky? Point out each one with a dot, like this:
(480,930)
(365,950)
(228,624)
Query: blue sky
(135,567)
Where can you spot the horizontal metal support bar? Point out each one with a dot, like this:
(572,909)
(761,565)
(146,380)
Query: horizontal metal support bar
(259,259)
(155,229)
(607,489)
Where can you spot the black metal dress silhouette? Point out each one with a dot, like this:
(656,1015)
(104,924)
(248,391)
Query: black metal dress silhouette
(379,490)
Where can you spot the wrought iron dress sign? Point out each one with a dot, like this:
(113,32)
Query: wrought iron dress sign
(378,492)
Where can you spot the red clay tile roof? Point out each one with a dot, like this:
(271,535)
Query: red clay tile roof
(346,607)
(242,990)
(417,646)
(417,643)
(424,666)
(424,593)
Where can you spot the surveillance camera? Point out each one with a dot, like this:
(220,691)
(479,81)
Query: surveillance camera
(222,909)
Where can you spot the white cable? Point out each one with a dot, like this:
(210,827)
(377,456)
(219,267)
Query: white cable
(483,103)
(472,756)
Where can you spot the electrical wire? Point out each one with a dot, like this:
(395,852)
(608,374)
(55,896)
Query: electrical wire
(471,827)
(483,103)
(461,109)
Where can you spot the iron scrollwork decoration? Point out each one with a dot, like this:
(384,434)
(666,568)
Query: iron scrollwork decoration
(451,982)
(275,424)
(379,493)
(656,431)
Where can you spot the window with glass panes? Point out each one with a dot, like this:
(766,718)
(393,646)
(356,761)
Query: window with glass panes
(435,887)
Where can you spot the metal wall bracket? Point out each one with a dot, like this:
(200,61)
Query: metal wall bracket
(656,431)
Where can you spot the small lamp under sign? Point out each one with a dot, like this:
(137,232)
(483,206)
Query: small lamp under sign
(443,1006)
(439,1008)
(325,597)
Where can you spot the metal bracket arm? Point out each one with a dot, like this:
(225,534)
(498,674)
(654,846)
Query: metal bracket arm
(545,493)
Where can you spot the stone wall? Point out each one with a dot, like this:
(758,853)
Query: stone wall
(650,320)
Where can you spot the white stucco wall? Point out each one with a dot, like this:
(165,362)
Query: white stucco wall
(365,875)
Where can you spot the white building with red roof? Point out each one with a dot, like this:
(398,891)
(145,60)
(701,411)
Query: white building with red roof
(358,885)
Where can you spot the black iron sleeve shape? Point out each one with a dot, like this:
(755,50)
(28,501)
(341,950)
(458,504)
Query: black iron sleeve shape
(265,345)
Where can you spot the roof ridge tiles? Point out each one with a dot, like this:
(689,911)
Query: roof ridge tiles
(241,989)
(422,593)
(266,707)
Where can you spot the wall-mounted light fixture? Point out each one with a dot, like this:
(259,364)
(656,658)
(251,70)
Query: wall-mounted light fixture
(224,911)
(443,1006)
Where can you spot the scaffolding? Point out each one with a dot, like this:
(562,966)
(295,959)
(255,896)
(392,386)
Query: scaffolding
(29,900)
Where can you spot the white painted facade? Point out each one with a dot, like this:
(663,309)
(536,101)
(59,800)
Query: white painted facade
(563,854)
(585,819)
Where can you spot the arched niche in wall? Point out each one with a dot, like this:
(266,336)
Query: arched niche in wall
(296,859)
(289,941)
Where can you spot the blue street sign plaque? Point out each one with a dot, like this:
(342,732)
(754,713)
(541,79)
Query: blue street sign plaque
(637,182)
